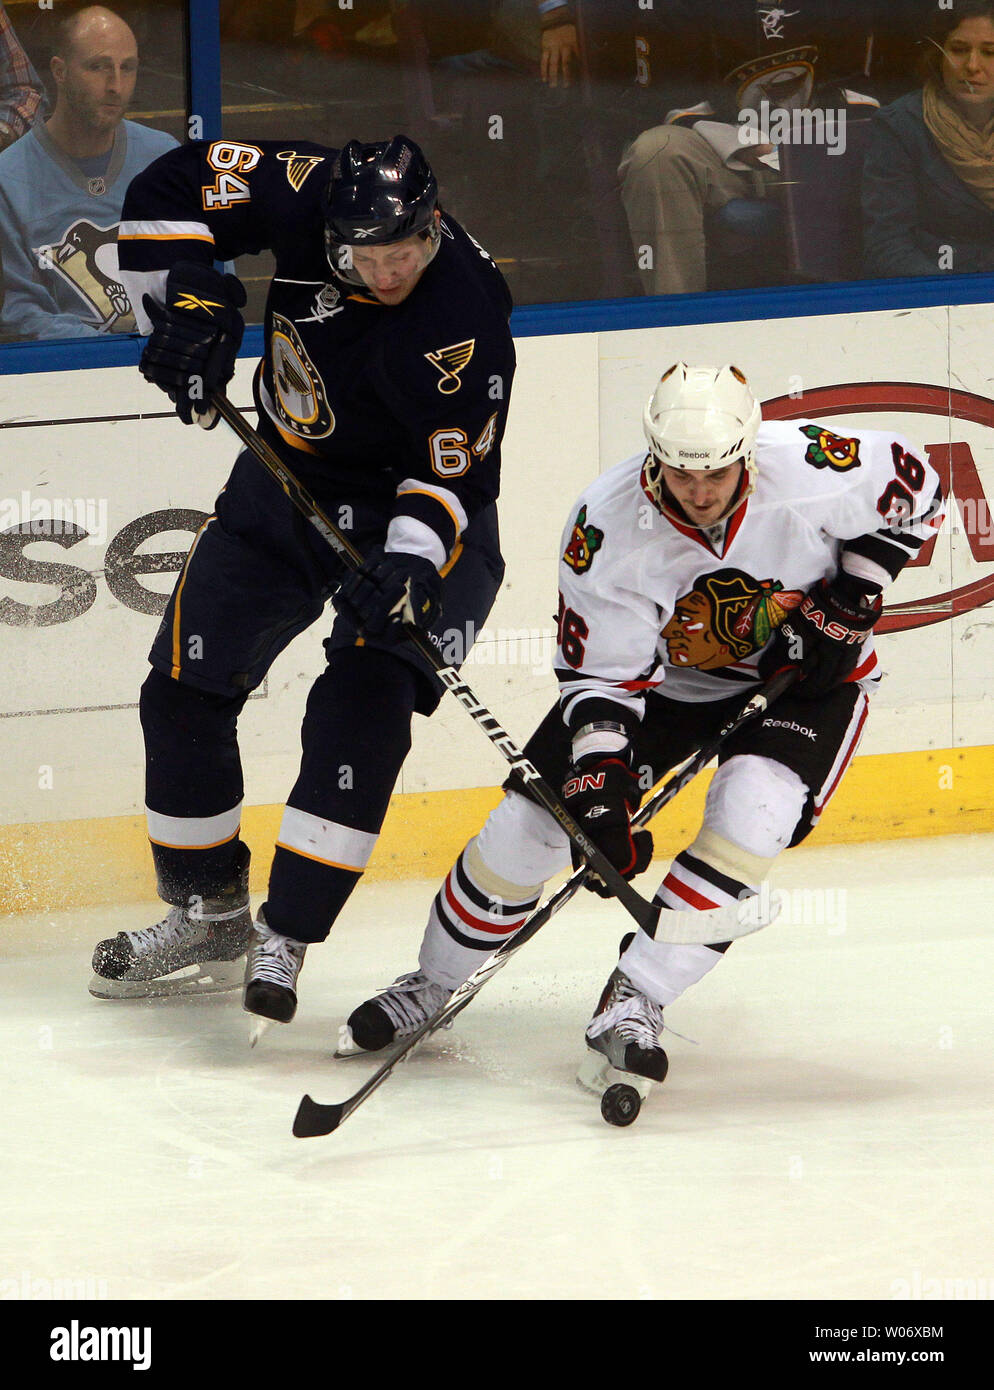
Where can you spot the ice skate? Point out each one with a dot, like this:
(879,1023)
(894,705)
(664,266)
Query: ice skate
(185,953)
(271,971)
(392,1015)
(623,1039)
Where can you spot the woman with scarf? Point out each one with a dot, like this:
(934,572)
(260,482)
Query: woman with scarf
(928,177)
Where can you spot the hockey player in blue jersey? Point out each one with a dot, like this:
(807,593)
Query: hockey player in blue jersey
(384,386)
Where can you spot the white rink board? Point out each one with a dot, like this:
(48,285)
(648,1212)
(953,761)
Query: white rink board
(576,409)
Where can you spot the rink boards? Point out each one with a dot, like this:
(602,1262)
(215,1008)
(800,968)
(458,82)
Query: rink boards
(108,480)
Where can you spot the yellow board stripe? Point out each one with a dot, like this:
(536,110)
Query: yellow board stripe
(53,865)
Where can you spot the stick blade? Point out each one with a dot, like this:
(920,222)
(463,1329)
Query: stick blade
(312,1119)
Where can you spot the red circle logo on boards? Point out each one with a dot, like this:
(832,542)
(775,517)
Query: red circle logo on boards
(953,462)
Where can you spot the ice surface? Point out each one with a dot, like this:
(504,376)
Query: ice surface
(828,1137)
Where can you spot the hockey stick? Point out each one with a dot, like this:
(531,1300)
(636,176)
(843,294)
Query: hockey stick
(313,1119)
(642,911)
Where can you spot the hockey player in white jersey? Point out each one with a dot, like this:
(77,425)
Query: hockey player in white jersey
(689,574)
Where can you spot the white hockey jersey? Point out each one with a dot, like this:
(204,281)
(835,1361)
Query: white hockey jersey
(649,603)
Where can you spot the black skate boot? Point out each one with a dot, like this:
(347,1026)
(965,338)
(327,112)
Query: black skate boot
(193,950)
(623,1036)
(271,971)
(392,1015)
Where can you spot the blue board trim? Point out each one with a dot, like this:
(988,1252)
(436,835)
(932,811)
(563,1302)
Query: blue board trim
(592,316)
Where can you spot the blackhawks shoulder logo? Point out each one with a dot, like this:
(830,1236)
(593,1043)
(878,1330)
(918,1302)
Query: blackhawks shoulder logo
(828,450)
(584,543)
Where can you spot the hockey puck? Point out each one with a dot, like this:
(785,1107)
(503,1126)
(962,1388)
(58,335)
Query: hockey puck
(620,1104)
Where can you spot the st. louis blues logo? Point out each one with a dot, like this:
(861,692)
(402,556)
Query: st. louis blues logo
(450,361)
(299,394)
(298,166)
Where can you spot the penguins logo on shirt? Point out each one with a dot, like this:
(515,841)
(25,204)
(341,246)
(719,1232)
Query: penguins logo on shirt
(785,79)
(724,618)
(584,544)
(86,257)
(299,395)
(828,450)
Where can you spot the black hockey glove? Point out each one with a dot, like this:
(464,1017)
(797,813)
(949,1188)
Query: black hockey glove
(601,793)
(391,588)
(195,338)
(824,636)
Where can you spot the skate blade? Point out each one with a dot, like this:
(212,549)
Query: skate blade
(347,1045)
(595,1074)
(258,1027)
(208,977)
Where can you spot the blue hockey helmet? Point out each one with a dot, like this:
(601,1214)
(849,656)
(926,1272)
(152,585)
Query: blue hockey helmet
(378,194)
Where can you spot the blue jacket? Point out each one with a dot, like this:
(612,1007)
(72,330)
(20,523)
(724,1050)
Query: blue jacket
(914,205)
(58,235)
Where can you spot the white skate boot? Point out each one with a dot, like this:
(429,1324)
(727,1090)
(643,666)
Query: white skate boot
(392,1015)
(182,954)
(271,971)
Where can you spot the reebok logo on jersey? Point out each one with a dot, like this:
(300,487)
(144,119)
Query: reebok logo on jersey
(792,726)
(191,301)
(450,361)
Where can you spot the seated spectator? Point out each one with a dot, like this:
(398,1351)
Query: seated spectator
(754,66)
(62,186)
(928,176)
(22,98)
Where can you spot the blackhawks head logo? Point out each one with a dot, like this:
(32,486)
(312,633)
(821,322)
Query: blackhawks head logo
(724,618)
(828,450)
(584,543)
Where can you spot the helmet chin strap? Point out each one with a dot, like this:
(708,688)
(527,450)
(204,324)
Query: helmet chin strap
(670,507)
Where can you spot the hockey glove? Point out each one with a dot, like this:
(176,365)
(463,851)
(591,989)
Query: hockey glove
(824,636)
(390,589)
(195,338)
(601,794)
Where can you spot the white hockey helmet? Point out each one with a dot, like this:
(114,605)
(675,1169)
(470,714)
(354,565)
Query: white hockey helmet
(701,419)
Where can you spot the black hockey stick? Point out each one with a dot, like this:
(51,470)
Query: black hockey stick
(313,1119)
(633,902)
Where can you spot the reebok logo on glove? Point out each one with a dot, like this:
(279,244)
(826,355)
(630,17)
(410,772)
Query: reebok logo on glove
(190,301)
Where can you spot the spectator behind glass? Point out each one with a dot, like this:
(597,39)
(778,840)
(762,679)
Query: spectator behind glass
(928,177)
(749,59)
(22,99)
(62,186)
